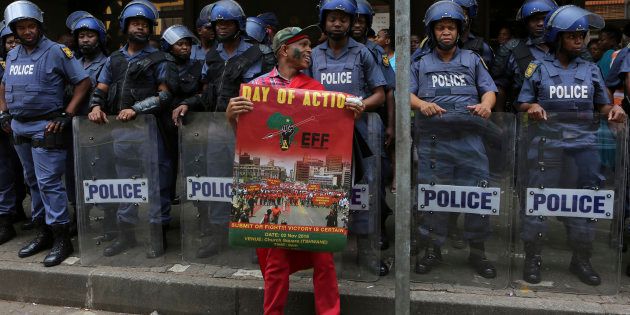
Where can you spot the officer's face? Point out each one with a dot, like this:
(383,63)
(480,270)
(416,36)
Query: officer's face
(337,24)
(27,31)
(298,54)
(359,27)
(414,42)
(226,29)
(606,41)
(182,48)
(88,41)
(10,42)
(572,42)
(536,24)
(382,39)
(206,33)
(445,33)
(138,29)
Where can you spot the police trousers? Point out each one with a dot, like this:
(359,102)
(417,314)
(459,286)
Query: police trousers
(133,159)
(581,231)
(43,172)
(7,175)
(460,161)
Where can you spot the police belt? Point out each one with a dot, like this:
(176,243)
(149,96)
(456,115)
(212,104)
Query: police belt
(51,141)
(49,116)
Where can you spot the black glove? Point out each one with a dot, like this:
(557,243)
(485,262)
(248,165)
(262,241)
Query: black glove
(5,119)
(64,120)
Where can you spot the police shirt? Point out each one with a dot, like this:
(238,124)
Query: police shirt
(159,74)
(385,64)
(486,51)
(197,52)
(509,70)
(249,75)
(35,83)
(94,67)
(460,81)
(353,71)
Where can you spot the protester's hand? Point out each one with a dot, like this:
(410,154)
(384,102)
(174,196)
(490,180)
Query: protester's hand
(179,113)
(616,114)
(97,116)
(238,105)
(126,115)
(356,105)
(536,112)
(431,109)
(481,110)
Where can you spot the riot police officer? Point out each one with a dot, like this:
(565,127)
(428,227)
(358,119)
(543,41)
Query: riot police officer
(178,41)
(360,28)
(232,62)
(565,32)
(468,40)
(32,91)
(256,30)
(441,159)
(342,64)
(513,58)
(206,34)
(138,79)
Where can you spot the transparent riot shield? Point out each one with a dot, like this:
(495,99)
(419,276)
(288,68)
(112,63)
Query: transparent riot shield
(571,183)
(464,190)
(361,260)
(206,161)
(117,181)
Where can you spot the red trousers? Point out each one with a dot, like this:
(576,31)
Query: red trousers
(277,264)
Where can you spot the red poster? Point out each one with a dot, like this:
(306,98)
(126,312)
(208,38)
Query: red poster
(296,148)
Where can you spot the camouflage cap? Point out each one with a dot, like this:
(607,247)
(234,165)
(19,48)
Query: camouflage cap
(292,34)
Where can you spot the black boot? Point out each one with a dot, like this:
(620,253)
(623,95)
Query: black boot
(216,239)
(126,240)
(478,260)
(43,240)
(532,263)
(62,246)
(28,225)
(7,232)
(158,240)
(581,267)
(366,257)
(110,229)
(432,257)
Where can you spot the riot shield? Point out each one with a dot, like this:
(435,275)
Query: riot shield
(116,166)
(362,257)
(464,187)
(571,181)
(206,162)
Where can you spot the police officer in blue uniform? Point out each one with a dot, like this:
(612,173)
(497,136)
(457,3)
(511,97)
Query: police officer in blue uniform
(468,40)
(12,187)
(32,91)
(513,58)
(232,62)
(179,41)
(256,30)
(447,156)
(342,64)
(138,79)
(206,34)
(564,70)
(360,28)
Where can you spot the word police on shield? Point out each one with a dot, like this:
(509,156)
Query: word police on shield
(580,203)
(209,188)
(462,199)
(360,197)
(116,190)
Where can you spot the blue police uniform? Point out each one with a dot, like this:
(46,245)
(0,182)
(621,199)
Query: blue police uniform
(254,70)
(128,213)
(353,71)
(7,186)
(549,86)
(453,157)
(485,52)
(34,86)
(197,52)
(510,72)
